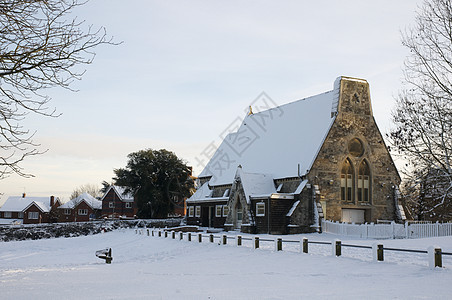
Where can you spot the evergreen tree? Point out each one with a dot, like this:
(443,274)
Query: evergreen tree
(154,177)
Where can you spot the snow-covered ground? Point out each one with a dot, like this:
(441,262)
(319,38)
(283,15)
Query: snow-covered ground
(146,267)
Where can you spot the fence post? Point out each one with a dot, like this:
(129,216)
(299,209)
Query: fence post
(200,237)
(189,236)
(152,232)
(437,228)
(211,238)
(278,244)
(377,252)
(407,230)
(434,255)
(304,245)
(160,233)
(148,231)
(225,239)
(181,236)
(239,240)
(336,245)
(173,235)
(393,229)
(256,242)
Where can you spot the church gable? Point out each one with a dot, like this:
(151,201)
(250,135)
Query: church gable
(354,168)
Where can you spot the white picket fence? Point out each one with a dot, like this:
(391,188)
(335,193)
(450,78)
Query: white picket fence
(388,231)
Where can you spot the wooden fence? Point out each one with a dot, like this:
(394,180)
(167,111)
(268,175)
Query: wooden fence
(435,254)
(388,231)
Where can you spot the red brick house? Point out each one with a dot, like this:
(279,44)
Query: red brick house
(81,209)
(117,203)
(16,208)
(39,211)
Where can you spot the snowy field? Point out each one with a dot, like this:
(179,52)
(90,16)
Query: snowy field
(146,267)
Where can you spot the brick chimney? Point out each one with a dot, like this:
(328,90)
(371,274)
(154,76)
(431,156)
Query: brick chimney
(52,201)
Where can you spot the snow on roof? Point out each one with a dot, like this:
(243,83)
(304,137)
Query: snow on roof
(203,193)
(256,184)
(19,203)
(275,141)
(301,187)
(120,191)
(90,200)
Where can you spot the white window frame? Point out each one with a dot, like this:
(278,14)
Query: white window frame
(67,211)
(128,204)
(111,204)
(260,209)
(33,215)
(191,211)
(225,210)
(7,215)
(197,211)
(20,215)
(218,210)
(82,212)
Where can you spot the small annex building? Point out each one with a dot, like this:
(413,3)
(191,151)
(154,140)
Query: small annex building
(287,167)
(117,203)
(29,210)
(83,208)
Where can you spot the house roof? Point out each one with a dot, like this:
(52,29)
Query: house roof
(20,203)
(121,192)
(276,141)
(255,185)
(87,198)
(42,206)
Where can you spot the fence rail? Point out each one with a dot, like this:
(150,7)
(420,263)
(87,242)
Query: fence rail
(388,231)
(434,253)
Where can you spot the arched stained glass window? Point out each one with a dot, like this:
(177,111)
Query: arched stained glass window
(364,182)
(347,178)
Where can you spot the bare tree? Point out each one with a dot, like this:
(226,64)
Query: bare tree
(41,46)
(423,115)
(91,189)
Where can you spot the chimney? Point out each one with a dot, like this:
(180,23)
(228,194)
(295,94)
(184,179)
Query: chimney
(23,195)
(52,201)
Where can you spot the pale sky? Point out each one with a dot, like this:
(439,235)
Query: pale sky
(187,69)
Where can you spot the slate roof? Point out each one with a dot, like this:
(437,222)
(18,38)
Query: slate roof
(275,141)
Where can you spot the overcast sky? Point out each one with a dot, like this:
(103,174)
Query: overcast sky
(187,69)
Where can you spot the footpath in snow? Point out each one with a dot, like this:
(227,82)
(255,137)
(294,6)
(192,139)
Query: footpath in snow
(146,267)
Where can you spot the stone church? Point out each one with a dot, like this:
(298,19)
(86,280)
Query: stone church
(285,168)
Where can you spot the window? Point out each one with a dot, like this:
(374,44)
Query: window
(363,182)
(191,210)
(67,211)
(33,215)
(225,210)
(218,209)
(128,204)
(111,204)
(198,211)
(347,178)
(355,147)
(7,214)
(260,209)
(83,212)
(20,215)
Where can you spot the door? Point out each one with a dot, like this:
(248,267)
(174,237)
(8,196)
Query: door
(353,215)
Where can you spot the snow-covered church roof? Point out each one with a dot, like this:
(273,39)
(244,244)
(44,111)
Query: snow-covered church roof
(276,141)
